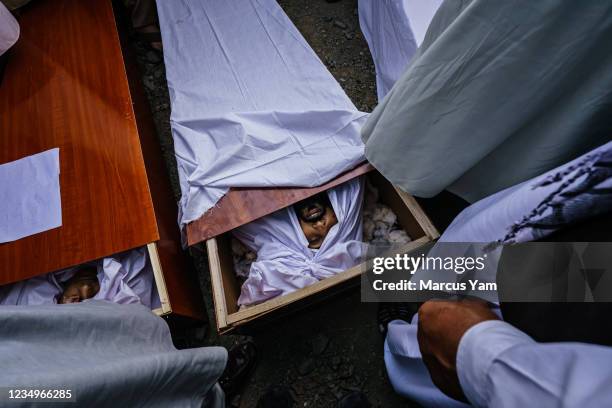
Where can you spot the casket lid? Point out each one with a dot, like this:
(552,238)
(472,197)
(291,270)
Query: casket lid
(243,205)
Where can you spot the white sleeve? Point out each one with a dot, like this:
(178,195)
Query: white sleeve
(500,366)
(9,29)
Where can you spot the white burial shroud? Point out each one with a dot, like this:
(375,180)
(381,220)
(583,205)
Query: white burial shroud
(252,104)
(284,261)
(124,278)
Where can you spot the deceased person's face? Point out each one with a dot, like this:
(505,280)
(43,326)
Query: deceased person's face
(316,217)
(83,285)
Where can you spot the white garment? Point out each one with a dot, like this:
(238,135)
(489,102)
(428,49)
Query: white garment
(124,278)
(489,220)
(407,373)
(252,104)
(9,29)
(284,261)
(394,29)
(500,366)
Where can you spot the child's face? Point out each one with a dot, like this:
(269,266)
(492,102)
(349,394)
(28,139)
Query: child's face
(83,285)
(316,217)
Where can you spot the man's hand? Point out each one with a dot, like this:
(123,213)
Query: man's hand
(441,326)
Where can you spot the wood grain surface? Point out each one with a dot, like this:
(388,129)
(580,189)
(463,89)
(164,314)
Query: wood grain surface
(65,86)
(243,205)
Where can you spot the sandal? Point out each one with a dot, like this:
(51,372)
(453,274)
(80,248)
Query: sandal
(355,399)
(387,312)
(276,396)
(241,361)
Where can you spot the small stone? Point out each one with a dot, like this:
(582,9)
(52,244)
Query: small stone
(340,24)
(384,214)
(347,372)
(306,367)
(153,57)
(381,229)
(398,237)
(319,344)
(297,388)
(349,36)
(148,83)
(368,229)
(235,401)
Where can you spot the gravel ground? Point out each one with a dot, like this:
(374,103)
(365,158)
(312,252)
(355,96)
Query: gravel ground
(327,350)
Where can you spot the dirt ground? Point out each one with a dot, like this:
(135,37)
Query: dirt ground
(326,350)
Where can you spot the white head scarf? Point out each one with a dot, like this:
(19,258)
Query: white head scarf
(284,261)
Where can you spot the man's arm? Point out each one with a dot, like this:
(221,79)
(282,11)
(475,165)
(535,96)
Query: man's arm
(500,366)
(497,365)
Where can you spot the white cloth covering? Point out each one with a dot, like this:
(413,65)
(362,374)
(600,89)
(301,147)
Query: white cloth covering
(284,261)
(252,104)
(394,29)
(9,29)
(108,355)
(124,278)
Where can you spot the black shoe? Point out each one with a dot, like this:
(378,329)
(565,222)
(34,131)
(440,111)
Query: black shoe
(387,312)
(241,360)
(355,399)
(277,396)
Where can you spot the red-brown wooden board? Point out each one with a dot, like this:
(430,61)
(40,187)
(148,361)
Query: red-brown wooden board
(243,205)
(65,86)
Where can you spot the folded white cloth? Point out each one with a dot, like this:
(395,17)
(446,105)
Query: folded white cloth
(284,261)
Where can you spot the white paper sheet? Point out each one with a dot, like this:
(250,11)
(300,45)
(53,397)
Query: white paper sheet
(30,196)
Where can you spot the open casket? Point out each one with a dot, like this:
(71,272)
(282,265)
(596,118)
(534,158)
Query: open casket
(258,124)
(214,228)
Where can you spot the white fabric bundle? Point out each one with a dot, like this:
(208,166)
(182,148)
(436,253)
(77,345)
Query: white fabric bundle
(394,29)
(284,261)
(252,104)
(9,29)
(124,278)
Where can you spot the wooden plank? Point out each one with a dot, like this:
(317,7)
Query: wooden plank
(271,305)
(65,86)
(243,205)
(160,282)
(214,262)
(418,213)
(180,276)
